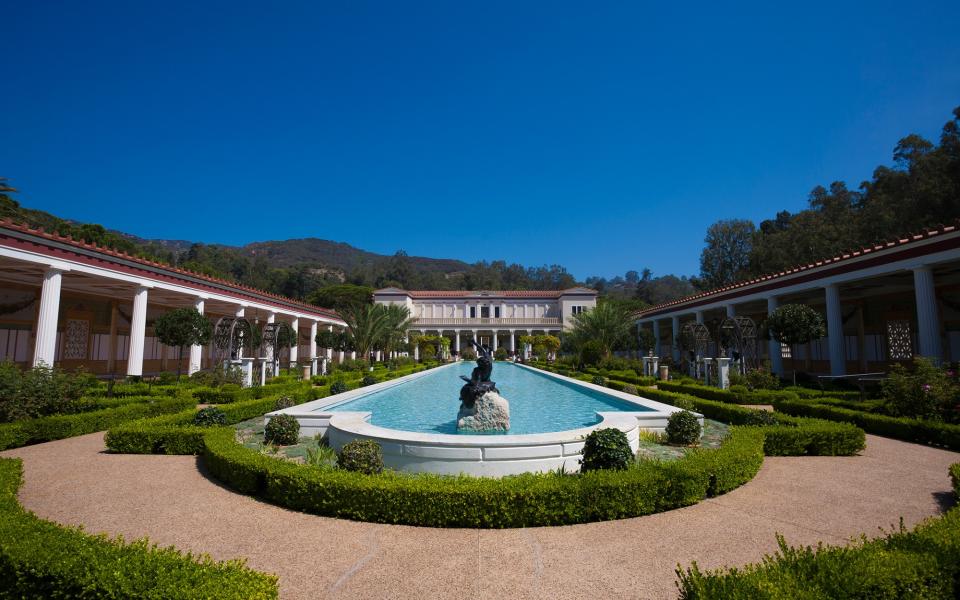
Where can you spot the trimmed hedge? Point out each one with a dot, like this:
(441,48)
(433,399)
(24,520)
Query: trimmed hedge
(515,501)
(792,436)
(40,559)
(57,427)
(176,433)
(713,393)
(923,563)
(901,428)
(955,478)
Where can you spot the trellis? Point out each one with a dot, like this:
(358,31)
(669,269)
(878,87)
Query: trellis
(231,336)
(738,338)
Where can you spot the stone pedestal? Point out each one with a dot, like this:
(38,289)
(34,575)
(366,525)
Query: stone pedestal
(490,412)
(650,365)
(723,373)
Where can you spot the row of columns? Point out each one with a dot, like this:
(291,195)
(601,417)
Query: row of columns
(928,323)
(47,322)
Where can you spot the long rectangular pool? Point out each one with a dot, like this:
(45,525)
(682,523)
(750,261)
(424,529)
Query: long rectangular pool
(539,403)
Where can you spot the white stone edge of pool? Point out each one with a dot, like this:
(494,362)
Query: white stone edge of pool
(478,455)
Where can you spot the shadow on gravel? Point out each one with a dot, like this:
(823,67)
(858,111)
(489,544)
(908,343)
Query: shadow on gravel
(945,500)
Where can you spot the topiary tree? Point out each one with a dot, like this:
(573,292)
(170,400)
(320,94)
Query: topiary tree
(795,324)
(361,456)
(283,430)
(180,328)
(683,428)
(606,449)
(210,416)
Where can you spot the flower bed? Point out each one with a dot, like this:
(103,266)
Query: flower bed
(40,559)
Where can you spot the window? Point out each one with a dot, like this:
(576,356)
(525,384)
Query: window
(473,312)
(577,309)
(496,312)
(484,312)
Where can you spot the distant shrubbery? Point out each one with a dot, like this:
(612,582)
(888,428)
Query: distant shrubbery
(40,391)
(926,392)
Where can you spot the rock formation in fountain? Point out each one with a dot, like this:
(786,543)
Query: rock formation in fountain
(482,408)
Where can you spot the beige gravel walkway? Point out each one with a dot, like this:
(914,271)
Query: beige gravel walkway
(168,499)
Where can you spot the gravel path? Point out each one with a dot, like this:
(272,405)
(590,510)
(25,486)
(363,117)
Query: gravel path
(168,499)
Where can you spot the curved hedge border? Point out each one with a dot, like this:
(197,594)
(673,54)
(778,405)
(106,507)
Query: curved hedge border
(57,427)
(923,563)
(955,478)
(515,501)
(901,428)
(40,559)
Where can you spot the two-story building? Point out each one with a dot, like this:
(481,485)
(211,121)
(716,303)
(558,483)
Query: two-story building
(495,318)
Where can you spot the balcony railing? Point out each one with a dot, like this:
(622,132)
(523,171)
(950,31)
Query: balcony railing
(502,322)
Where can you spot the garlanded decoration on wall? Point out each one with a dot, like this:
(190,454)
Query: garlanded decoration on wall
(15,307)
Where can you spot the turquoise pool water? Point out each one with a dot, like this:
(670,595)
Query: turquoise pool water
(538,403)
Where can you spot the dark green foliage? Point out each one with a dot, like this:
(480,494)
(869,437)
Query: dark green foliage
(367,380)
(683,428)
(599,380)
(361,456)
(284,402)
(283,430)
(210,417)
(57,427)
(501,353)
(794,324)
(337,387)
(955,478)
(606,449)
(182,327)
(901,428)
(515,501)
(40,559)
(591,353)
(925,392)
(760,418)
(40,391)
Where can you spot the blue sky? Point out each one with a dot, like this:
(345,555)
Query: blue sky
(600,136)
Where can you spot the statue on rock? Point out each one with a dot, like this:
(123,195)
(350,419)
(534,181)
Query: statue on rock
(482,408)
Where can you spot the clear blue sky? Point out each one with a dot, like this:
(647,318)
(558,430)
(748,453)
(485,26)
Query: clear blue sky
(600,136)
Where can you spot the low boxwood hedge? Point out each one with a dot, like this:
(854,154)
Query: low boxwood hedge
(731,396)
(923,563)
(176,433)
(515,501)
(45,429)
(40,559)
(791,436)
(901,428)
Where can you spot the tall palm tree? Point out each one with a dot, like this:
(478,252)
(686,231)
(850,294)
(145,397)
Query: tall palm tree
(398,320)
(366,325)
(608,325)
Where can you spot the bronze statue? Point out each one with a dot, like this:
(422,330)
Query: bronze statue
(479,382)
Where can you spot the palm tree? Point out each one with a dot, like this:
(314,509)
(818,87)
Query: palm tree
(398,320)
(365,326)
(607,325)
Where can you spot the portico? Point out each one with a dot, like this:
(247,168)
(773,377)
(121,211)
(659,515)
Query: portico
(71,304)
(882,304)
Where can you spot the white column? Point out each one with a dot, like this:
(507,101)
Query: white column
(241,312)
(731,310)
(656,337)
(774,348)
(513,341)
(329,351)
(835,331)
(928,318)
(494,347)
(313,348)
(675,333)
(195,350)
(699,315)
(138,331)
(295,348)
(456,340)
(45,346)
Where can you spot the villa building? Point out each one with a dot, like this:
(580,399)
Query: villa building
(495,318)
(885,303)
(70,304)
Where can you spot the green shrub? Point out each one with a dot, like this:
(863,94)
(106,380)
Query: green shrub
(284,402)
(515,501)
(40,559)
(337,387)
(760,418)
(683,428)
(367,380)
(501,353)
(630,389)
(210,416)
(927,392)
(955,478)
(599,380)
(40,391)
(606,449)
(57,427)
(361,456)
(901,428)
(283,430)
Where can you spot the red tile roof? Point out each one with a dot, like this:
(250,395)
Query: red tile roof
(844,256)
(109,252)
(483,293)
